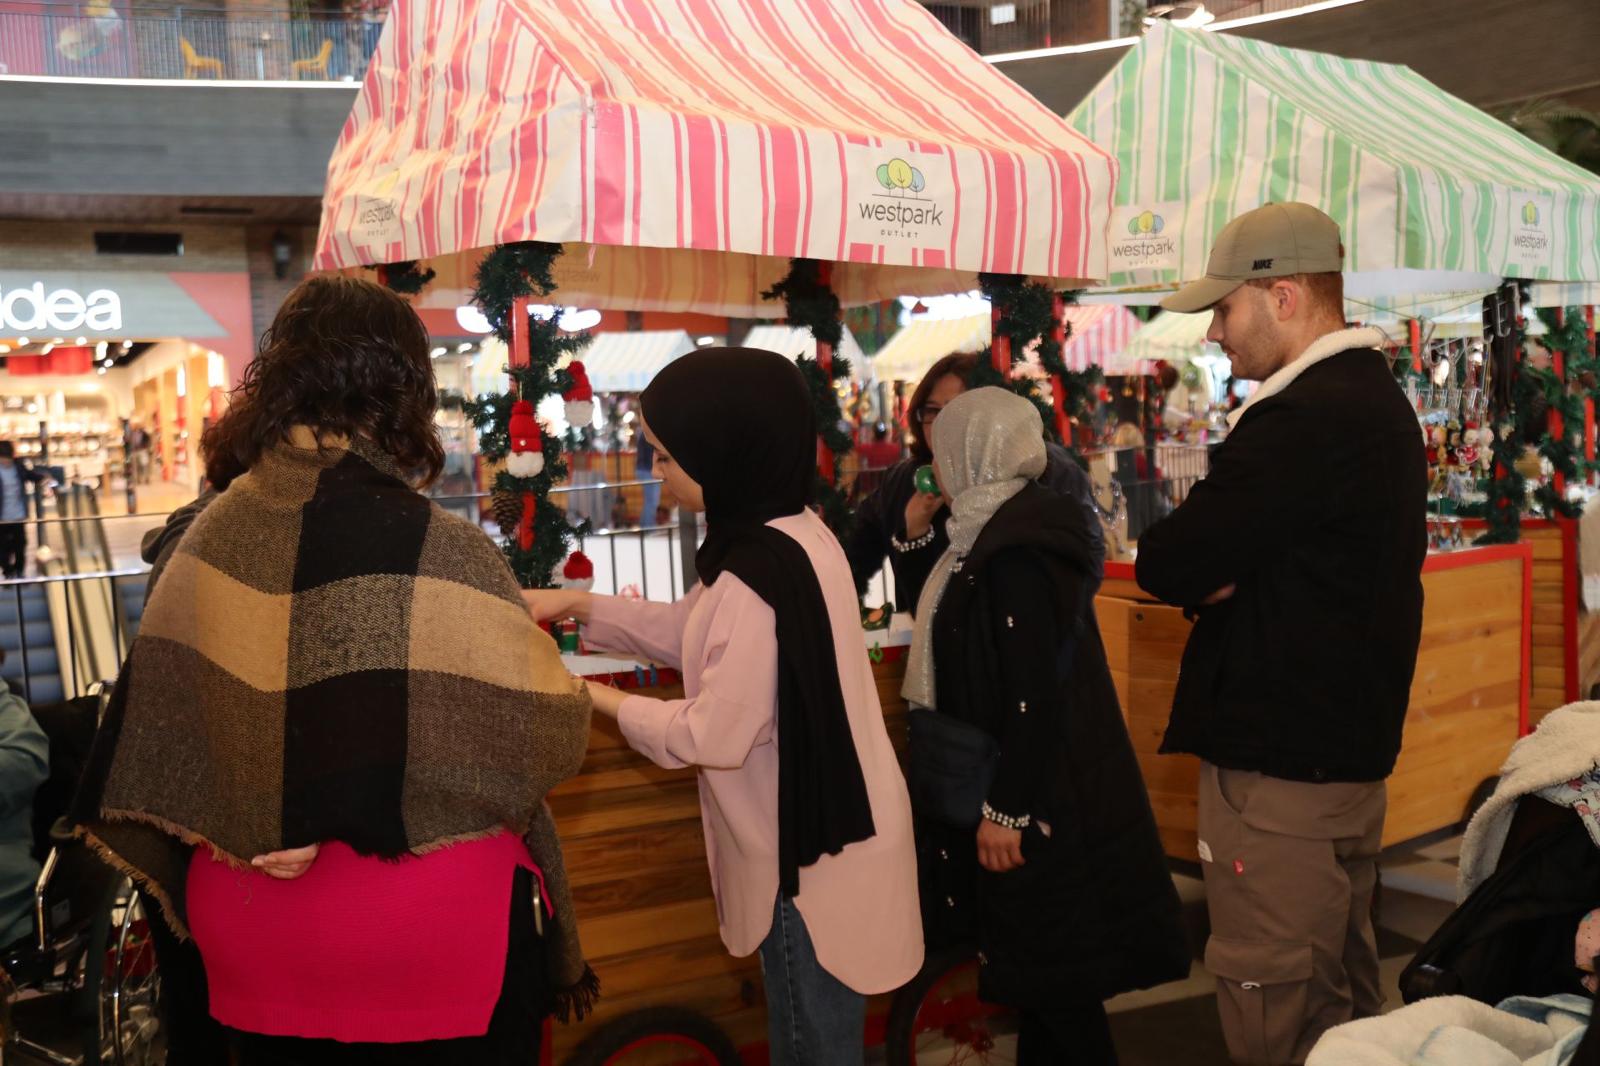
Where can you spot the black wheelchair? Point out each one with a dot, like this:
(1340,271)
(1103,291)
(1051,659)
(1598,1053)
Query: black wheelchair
(84,990)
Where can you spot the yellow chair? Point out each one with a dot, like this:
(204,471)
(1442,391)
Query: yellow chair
(317,64)
(194,63)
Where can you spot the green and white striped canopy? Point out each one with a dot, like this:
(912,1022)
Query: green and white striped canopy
(1431,194)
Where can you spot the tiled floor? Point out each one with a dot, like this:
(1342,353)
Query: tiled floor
(1177,1023)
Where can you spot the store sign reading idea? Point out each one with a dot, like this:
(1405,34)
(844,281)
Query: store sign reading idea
(28,309)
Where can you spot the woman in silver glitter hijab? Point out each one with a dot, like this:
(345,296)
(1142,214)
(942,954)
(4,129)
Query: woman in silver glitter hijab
(1035,839)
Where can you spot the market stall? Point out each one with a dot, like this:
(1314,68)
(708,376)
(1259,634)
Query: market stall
(1438,203)
(643,157)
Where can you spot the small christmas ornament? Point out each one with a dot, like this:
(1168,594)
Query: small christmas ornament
(507,509)
(1435,450)
(578,573)
(1467,454)
(527,442)
(580,398)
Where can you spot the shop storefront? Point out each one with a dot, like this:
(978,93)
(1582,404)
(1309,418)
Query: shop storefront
(92,353)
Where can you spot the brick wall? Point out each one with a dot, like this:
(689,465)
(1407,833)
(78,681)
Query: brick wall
(70,246)
(267,291)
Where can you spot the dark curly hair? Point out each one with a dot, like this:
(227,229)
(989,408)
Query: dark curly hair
(346,357)
(962,365)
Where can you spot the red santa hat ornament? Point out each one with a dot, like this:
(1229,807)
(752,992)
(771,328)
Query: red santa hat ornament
(527,442)
(578,573)
(579,398)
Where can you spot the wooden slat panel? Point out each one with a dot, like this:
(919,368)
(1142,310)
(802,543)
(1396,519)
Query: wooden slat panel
(1461,723)
(622,934)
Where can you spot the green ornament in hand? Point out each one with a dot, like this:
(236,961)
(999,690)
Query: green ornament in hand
(926,482)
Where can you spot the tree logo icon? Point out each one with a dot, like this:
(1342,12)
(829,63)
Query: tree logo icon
(1530,214)
(1146,224)
(898,174)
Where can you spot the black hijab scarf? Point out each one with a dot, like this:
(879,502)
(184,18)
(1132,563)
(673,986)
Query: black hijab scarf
(739,421)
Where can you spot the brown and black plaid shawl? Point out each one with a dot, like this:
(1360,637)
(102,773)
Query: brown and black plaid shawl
(330,656)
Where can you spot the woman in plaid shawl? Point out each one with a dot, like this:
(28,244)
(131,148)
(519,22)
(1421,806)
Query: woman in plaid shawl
(333,668)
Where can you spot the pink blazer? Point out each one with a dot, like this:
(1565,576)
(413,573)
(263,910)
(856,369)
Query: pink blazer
(860,906)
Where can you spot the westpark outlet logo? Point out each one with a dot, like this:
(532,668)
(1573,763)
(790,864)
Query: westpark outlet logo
(901,207)
(1531,241)
(29,309)
(1139,238)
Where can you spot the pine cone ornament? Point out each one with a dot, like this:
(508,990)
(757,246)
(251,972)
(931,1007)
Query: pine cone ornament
(507,511)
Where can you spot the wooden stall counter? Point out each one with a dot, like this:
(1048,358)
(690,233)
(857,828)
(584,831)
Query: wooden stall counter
(1469,700)
(636,859)
(636,856)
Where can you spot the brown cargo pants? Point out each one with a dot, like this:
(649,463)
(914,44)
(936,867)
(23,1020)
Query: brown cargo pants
(1290,868)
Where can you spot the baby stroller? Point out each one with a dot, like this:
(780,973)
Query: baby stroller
(1530,874)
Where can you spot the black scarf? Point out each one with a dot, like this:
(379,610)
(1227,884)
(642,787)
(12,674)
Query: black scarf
(739,421)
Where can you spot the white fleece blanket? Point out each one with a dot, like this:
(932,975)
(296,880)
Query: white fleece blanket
(1565,746)
(1457,1031)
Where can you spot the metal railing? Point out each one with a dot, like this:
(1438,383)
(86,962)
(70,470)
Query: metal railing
(186,43)
(82,634)
(998,28)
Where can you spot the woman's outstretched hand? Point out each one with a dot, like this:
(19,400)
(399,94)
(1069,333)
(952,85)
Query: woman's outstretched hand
(607,700)
(287,865)
(556,605)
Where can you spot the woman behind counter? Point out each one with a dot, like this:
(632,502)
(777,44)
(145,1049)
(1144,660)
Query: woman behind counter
(908,527)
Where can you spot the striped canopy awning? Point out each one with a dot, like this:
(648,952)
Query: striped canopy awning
(1099,332)
(797,341)
(682,152)
(1172,337)
(626,361)
(1432,194)
(921,342)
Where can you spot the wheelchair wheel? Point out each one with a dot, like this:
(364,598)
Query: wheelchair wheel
(658,1036)
(938,1017)
(130,988)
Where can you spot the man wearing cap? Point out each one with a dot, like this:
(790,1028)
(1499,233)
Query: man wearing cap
(1300,560)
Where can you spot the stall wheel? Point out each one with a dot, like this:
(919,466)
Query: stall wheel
(658,1036)
(938,1019)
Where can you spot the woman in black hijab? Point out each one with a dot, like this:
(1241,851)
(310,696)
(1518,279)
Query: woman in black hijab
(808,825)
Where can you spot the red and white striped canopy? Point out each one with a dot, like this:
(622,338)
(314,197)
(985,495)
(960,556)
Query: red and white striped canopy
(683,150)
(1099,334)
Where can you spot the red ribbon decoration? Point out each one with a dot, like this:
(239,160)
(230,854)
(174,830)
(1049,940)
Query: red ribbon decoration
(999,345)
(525,524)
(519,333)
(1058,386)
(825,458)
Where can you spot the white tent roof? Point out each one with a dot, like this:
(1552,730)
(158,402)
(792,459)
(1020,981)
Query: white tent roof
(625,362)
(923,341)
(795,341)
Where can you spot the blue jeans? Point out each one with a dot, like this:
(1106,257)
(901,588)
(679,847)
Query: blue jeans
(813,1018)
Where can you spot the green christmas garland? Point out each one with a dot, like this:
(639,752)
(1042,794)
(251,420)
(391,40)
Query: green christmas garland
(1027,314)
(810,303)
(1569,338)
(508,273)
(1534,394)
(405,277)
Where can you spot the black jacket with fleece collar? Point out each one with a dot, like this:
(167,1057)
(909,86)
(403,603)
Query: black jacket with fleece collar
(1315,508)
